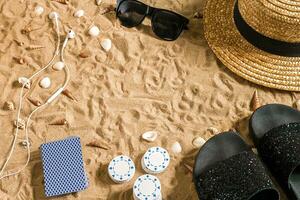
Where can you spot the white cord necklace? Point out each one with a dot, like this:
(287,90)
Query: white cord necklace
(54,16)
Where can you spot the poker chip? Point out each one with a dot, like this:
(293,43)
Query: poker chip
(121,169)
(155,160)
(147,187)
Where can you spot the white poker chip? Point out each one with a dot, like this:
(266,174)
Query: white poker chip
(147,187)
(155,160)
(121,169)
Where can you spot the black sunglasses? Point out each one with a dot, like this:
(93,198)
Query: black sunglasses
(165,24)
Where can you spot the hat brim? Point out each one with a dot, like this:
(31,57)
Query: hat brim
(241,57)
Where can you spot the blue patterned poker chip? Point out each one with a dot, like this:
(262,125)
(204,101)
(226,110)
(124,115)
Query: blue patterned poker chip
(121,169)
(155,160)
(147,187)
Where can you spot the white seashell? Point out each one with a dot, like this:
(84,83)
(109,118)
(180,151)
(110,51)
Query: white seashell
(94,31)
(213,130)
(53,15)
(38,10)
(198,142)
(58,66)
(98,2)
(24,81)
(150,136)
(79,13)
(45,82)
(106,44)
(176,148)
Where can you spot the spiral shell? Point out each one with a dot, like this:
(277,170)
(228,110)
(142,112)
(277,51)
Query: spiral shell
(150,136)
(255,102)
(62,1)
(34,47)
(59,122)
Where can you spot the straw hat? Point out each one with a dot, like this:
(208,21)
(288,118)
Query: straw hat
(257,39)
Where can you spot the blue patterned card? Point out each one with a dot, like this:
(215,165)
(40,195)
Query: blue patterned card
(63,167)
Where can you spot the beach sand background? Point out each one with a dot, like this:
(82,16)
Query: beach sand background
(177,88)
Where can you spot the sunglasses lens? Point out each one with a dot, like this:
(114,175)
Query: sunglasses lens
(167,25)
(131,13)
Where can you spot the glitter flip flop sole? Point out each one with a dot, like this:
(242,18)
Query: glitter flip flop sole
(275,129)
(226,169)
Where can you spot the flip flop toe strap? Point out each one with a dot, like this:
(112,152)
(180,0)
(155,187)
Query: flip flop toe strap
(280,150)
(237,178)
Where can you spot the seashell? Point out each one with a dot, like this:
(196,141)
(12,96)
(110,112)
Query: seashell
(68,94)
(188,167)
(98,144)
(58,66)
(19,43)
(85,54)
(24,81)
(198,15)
(19,60)
(106,44)
(24,143)
(26,30)
(45,83)
(79,13)
(213,130)
(107,9)
(59,122)
(98,2)
(198,142)
(35,47)
(255,103)
(9,105)
(150,136)
(255,151)
(176,147)
(94,31)
(20,124)
(34,102)
(297,104)
(38,10)
(62,1)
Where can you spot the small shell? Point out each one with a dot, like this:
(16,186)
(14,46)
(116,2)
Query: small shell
(68,94)
(255,151)
(108,9)
(188,167)
(213,130)
(38,10)
(34,102)
(34,47)
(24,143)
(26,30)
(198,142)
(150,136)
(255,103)
(58,66)
(20,60)
(85,54)
(24,81)
(198,15)
(297,103)
(45,83)
(62,1)
(59,122)
(98,2)
(19,43)
(9,105)
(98,144)
(106,44)
(94,31)
(79,13)
(176,148)
(20,124)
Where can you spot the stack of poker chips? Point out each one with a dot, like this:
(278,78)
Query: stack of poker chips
(146,187)
(121,169)
(155,160)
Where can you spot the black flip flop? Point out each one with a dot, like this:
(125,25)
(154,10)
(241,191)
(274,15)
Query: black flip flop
(226,169)
(275,129)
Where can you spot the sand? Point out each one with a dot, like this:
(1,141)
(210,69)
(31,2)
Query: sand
(177,88)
